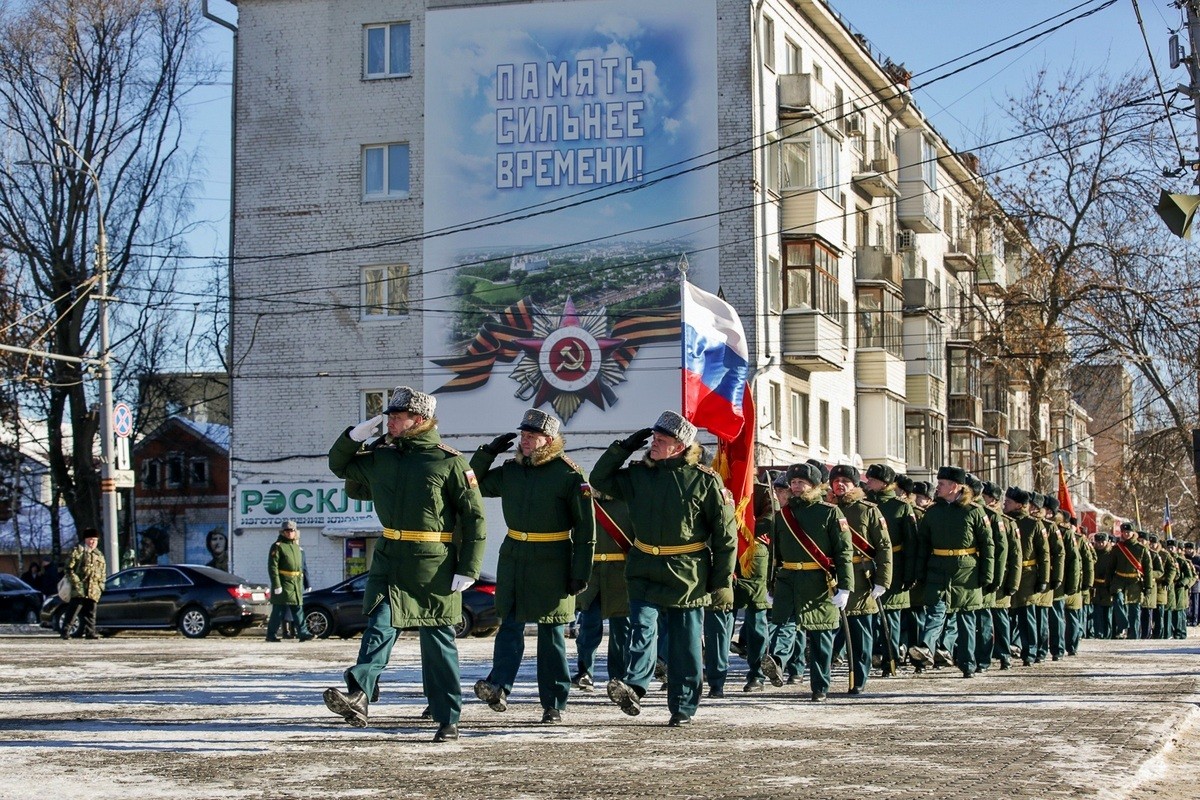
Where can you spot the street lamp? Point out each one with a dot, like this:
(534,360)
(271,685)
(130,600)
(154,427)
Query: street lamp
(108,480)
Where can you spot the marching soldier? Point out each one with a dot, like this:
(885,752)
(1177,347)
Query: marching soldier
(433,538)
(984,632)
(750,593)
(956,558)
(1078,603)
(606,597)
(285,568)
(913,618)
(1009,581)
(545,560)
(814,569)
(1184,577)
(1035,570)
(1150,599)
(872,560)
(1189,552)
(1102,586)
(1071,577)
(882,486)
(1133,576)
(682,559)
(787,643)
(1168,570)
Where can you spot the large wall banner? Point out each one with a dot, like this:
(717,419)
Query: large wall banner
(569,171)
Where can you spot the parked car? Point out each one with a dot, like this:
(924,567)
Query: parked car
(188,597)
(337,610)
(19,602)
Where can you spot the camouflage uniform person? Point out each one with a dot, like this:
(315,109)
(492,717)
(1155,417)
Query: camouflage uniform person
(607,597)
(1008,581)
(1133,578)
(902,531)
(814,570)
(1035,570)
(682,559)
(545,560)
(86,570)
(433,538)
(1104,571)
(285,568)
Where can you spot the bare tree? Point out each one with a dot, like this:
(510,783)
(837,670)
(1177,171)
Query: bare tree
(90,134)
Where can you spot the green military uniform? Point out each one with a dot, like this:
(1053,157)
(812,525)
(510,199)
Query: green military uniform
(1079,603)
(86,570)
(872,560)
(1035,577)
(984,631)
(428,500)
(956,558)
(804,579)
(551,538)
(1166,588)
(1185,578)
(1150,609)
(606,597)
(1133,578)
(1050,613)
(901,523)
(684,549)
(1013,571)
(285,568)
(751,576)
(1104,572)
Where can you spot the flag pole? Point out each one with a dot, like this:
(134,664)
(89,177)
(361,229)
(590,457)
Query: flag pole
(682,266)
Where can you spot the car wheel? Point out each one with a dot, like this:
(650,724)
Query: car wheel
(464,626)
(60,621)
(319,623)
(230,630)
(193,622)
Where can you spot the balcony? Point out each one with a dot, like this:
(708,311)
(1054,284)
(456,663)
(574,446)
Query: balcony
(919,208)
(1018,441)
(995,424)
(922,296)
(965,409)
(992,273)
(801,97)
(961,255)
(969,328)
(876,176)
(812,212)
(923,390)
(876,264)
(879,369)
(812,341)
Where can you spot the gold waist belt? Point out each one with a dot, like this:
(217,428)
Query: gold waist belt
(418,536)
(1029,563)
(290,573)
(608,557)
(896,548)
(860,559)
(553,536)
(1127,574)
(669,549)
(800,565)
(966,551)
(1099,580)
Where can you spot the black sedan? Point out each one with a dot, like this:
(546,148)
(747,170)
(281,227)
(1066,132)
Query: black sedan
(19,602)
(187,597)
(337,610)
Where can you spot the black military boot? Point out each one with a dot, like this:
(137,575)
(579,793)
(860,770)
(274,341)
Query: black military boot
(770,670)
(351,707)
(753,685)
(679,719)
(446,732)
(352,686)
(551,716)
(494,696)
(625,696)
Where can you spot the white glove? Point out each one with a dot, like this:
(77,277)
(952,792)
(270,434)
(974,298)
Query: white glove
(840,598)
(363,430)
(877,591)
(460,583)
(277,590)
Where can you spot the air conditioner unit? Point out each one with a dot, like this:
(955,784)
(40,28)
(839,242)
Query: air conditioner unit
(906,240)
(853,125)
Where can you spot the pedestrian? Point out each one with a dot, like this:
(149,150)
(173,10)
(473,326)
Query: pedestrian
(955,559)
(32,575)
(545,561)
(682,558)
(814,570)
(428,500)
(86,569)
(285,567)
(606,596)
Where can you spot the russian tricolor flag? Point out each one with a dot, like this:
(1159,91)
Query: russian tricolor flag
(716,363)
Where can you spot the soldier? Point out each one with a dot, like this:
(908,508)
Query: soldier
(606,597)
(1189,552)
(1132,577)
(1168,571)
(882,486)
(1071,578)
(682,558)
(787,644)
(285,567)
(1009,580)
(955,557)
(1078,604)
(872,559)
(750,593)
(545,561)
(1035,570)
(86,569)
(912,619)
(814,569)
(1102,582)
(1184,577)
(428,500)
(984,633)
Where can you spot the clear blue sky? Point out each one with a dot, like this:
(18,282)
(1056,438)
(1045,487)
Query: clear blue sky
(918,33)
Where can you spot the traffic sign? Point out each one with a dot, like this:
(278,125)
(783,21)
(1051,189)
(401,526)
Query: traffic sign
(122,420)
(123,478)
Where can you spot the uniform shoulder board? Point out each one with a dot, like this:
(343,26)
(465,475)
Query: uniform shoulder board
(449,449)
(708,470)
(567,460)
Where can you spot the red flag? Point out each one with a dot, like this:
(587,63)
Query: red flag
(1064,497)
(735,464)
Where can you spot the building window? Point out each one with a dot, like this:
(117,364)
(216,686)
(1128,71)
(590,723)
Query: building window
(774,397)
(388,51)
(198,472)
(774,285)
(791,56)
(823,425)
(374,402)
(929,163)
(818,73)
(812,160)
(799,426)
(966,451)
(810,278)
(948,220)
(924,436)
(385,291)
(772,155)
(881,320)
(847,436)
(150,473)
(935,350)
(964,372)
(174,471)
(895,428)
(768,42)
(385,171)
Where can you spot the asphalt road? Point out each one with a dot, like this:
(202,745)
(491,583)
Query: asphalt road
(159,716)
